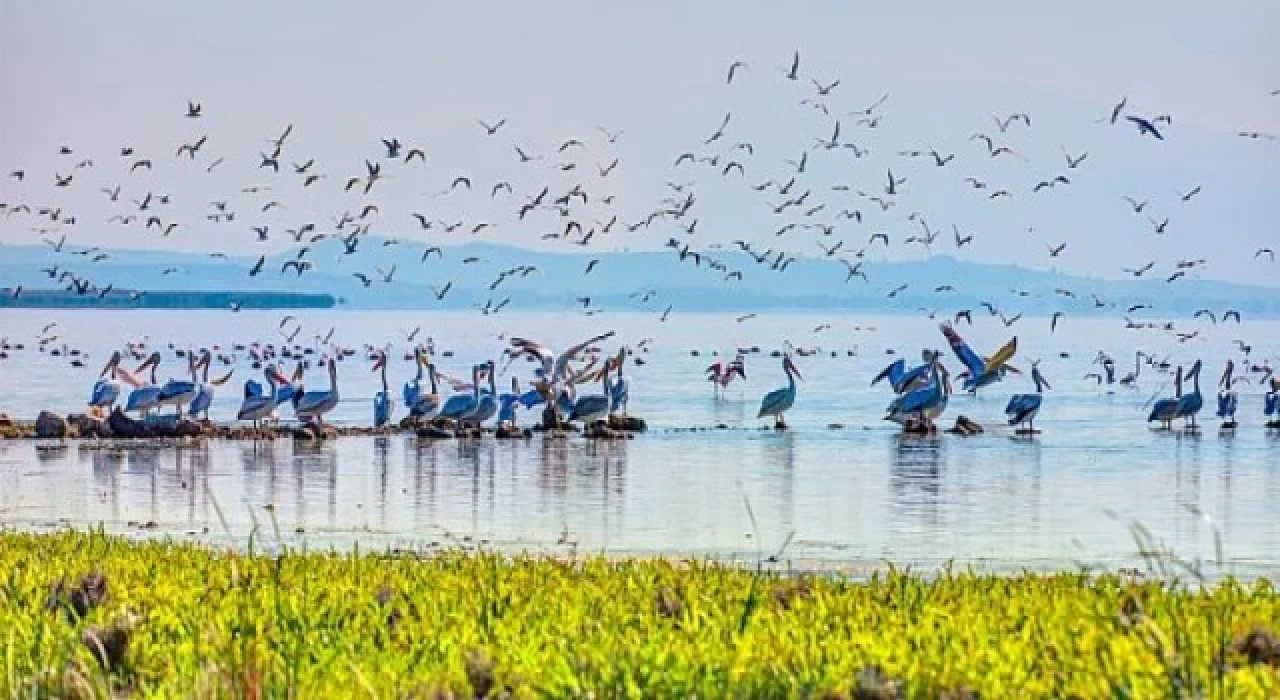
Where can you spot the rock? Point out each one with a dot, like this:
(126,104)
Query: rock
(434,432)
(966,426)
(5,420)
(49,425)
(629,424)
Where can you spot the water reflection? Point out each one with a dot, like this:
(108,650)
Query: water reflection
(860,494)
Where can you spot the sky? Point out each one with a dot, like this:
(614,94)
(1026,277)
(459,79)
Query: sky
(99,76)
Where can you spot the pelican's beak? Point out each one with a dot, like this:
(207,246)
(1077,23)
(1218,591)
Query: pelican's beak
(379,363)
(147,364)
(112,363)
(223,379)
(297,373)
(797,371)
(1013,369)
(203,361)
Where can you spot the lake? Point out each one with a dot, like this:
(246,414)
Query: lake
(846,488)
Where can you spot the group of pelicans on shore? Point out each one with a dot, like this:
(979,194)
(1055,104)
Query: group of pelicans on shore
(921,392)
(468,405)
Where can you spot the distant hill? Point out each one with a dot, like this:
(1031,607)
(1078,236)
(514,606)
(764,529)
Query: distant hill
(163,299)
(622,280)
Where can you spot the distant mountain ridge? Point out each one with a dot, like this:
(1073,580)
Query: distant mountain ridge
(623,280)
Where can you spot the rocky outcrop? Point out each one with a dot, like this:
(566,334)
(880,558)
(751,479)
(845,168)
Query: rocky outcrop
(50,425)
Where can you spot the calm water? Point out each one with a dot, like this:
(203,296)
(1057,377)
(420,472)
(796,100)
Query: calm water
(851,494)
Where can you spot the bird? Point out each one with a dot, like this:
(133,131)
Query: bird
(1191,193)
(1165,410)
(1145,126)
(1053,321)
(1115,111)
(441,292)
(193,109)
(733,67)
(490,130)
(1055,251)
(1137,206)
(793,73)
(1159,226)
(1271,254)
(1023,408)
(777,402)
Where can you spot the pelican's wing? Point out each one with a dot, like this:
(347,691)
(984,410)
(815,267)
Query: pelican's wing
(1004,354)
(892,372)
(562,362)
(962,350)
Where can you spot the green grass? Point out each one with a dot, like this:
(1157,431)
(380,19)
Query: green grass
(169,620)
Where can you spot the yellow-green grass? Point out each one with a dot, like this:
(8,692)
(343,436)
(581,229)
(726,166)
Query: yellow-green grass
(178,620)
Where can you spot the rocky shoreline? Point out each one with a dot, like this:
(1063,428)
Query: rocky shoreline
(118,426)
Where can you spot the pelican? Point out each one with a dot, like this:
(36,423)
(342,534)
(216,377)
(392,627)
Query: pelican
(413,388)
(779,401)
(555,368)
(1165,410)
(507,404)
(1271,404)
(146,397)
(204,389)
(312,405)
(383,404)
(619,389)
(180,392)
(980,372)
(923,404)
(486,399)
(257,406)
(593,408)
(903,380)
(1131,380)
(426,405)
(107,389)
(1228,399)
(1023,408)
(460,405)
(1190,404)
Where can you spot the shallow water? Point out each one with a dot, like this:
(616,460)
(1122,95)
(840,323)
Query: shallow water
(853,494)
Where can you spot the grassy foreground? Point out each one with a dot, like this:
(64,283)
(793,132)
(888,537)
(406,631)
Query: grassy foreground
(86,615)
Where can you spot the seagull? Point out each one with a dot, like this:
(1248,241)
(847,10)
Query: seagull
(1144,126)
(1137,206)
(491,130)
(794,72)
(1194,191)
(1271,254)
(733,67)
(1115,111)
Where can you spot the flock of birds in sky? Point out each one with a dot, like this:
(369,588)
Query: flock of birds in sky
(564,192)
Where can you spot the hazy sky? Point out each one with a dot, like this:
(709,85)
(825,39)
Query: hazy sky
(100,75)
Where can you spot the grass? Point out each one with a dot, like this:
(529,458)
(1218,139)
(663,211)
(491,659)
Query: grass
(90,615)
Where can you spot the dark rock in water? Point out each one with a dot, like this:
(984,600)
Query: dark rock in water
(124,426)
(50,425)
(5,420)
(966,426)
(629,424)
(434,432)
(87,427)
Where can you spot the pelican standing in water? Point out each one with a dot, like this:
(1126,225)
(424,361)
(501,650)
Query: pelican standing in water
(204,389)
(1131,380)
(486,399)
(777,402)
(1023,408)
(1165,410)
(593,408)
(619,389)
(180,392)
(312,405)
(1190,404)
(1228,399)
(106,391)
(920,407)
(413,388)
(507,404)
(383,404)
(257,406)
(555,369)
(903,380)
(425,405)
(1271,405)
(461,405)
(146,397)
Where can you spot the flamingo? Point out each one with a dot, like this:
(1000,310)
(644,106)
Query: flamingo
(1165,410)
(383,404)
(257,406)
(1190,404)
(145,397)
(777,402)
(312,405)
(1023,408)
(980,372)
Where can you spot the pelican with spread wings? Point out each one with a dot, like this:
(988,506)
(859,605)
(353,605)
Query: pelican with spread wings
(980,372)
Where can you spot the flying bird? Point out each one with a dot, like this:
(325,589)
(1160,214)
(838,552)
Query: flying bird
(1144,126)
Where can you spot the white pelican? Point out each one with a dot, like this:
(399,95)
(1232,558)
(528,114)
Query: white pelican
(146,397)
(312,405)
(204,389)
(460,405)
(593,408)
(257,406)
(1022,408)
(619,389)
(383,404)
(180,392)
(106,391)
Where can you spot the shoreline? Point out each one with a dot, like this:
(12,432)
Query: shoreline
(87,610)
